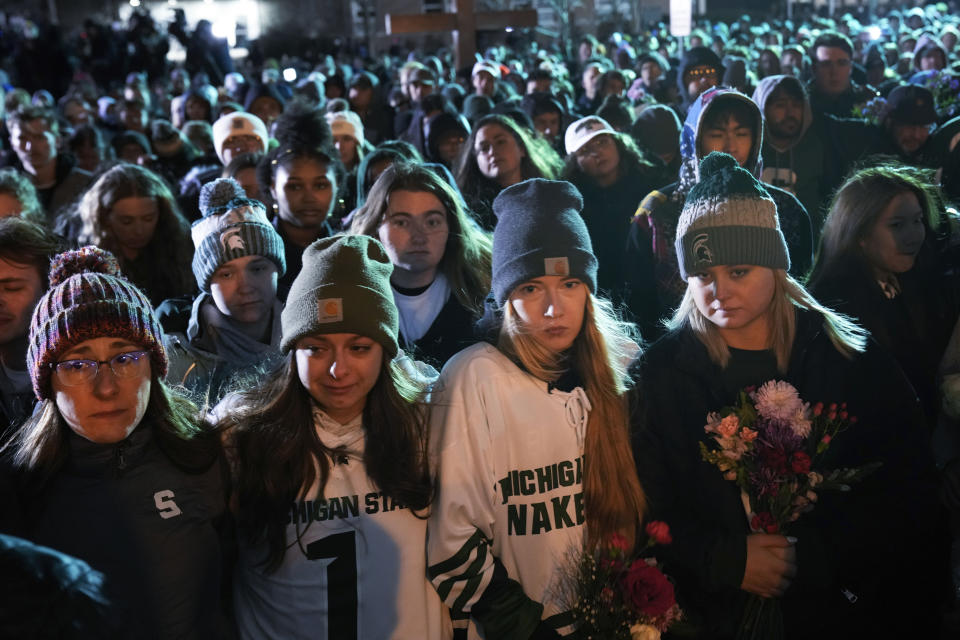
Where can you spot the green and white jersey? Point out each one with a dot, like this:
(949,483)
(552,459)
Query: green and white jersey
(355,566)
(509,509)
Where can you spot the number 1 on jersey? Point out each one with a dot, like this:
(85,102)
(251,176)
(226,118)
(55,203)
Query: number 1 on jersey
(341,582)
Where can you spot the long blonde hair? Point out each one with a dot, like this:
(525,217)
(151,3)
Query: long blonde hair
(847,336)
(613,498)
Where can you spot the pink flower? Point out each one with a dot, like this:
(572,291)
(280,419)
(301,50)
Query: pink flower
(713,419)
(778,400)
(659,531)
(826,439)
(748,434)
(818,409)
(728,426)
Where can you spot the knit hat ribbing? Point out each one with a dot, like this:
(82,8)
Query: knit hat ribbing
(88,299)
(540,232)
(728,218)
(344,287)
(233,226)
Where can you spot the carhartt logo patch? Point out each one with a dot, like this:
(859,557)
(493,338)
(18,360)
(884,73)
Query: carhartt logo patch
(701,251)
(331,310)
(556,267)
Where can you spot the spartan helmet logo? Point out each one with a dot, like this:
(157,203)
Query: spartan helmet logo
(701,251)
(231,239)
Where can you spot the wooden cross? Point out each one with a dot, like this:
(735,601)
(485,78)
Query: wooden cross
(463,23)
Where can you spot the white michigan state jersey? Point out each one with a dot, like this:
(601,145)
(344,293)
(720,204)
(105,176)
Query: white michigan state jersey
(358,570)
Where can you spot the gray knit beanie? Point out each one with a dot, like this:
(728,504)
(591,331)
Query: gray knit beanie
(344,287)
(540,232)
(233,226)
(728,218)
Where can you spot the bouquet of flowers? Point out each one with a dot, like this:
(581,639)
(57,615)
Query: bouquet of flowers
(872,111)
(945,88)
(769,444)
(614,594)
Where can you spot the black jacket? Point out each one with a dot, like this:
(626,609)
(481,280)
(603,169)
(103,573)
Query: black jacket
(151,528)
(451,331)
(607,212)
(881,541)
(915,326)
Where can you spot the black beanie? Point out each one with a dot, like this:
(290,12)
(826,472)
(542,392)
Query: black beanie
(540,232)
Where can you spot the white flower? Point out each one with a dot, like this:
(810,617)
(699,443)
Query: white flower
(778,400)
(800,422)
(713,421)
(644,632)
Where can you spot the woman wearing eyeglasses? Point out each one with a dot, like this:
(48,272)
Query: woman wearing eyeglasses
(113,467)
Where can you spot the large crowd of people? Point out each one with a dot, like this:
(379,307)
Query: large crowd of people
(374,351)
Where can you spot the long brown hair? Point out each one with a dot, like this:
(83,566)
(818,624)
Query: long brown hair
(614,501)
(539,160)
(170,245)
(466,258)
(857,206)
(277,455)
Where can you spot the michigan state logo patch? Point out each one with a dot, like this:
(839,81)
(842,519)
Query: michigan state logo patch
(701,251)
(556,267)
(330,310)
(232,239)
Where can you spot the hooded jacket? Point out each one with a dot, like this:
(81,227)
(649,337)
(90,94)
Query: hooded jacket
(695,57)
(924,42)
(804,167)
(654,286)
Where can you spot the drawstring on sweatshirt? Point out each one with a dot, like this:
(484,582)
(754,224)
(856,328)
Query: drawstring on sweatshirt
(577,408)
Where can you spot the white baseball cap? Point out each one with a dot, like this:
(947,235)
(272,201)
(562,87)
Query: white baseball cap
(486,65)
(584,130)
(238,123)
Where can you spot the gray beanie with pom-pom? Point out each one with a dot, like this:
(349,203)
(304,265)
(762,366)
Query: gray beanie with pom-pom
(233,226)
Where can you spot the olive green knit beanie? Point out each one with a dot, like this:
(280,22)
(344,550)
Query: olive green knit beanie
(343,287)
(728,218)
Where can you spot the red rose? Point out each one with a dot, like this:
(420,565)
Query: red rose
(647,590)
(659,532)
(800,462)
(764,522)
